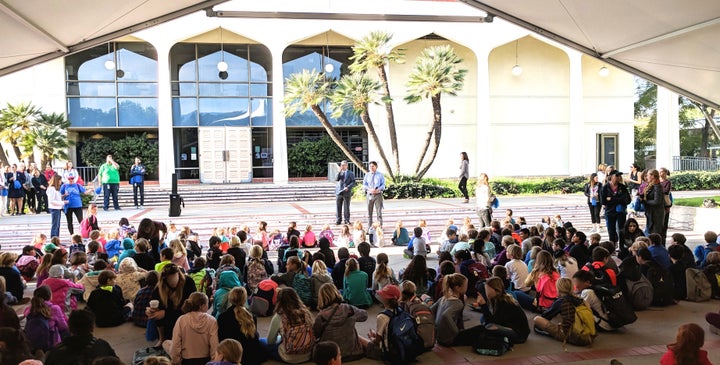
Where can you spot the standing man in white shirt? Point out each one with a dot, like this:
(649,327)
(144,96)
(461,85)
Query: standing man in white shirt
(374,185)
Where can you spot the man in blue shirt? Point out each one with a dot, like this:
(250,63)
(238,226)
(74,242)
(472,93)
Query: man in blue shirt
(343,191)
(374,185)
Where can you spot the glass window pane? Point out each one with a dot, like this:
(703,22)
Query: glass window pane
(260,90)
(91,88)
(306,119)
(184,89)
(137,89)
(346,119)
(184,112)
(90,64)
(223,89)
(261,62)
(182,62)
(302,59)
(234,55)
(91,112)
(138,112)
(224,112)
(261,112)
(138,60)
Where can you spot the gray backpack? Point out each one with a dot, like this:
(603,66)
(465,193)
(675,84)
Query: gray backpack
(640,293)
(698,285)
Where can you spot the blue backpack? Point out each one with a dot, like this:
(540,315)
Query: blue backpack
(404,344)
(38,333)
(302,285)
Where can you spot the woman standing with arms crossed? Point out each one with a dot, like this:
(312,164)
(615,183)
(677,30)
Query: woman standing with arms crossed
(137,180)
(592,192)
(15,190)
(654,204)
(485,198)
(55,204)
(464,175)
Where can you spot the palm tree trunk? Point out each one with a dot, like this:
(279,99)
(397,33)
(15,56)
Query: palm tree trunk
(424,149)
(17,151)
(336,137)
(3,157)
(437,117)
(390,117)
(370,128)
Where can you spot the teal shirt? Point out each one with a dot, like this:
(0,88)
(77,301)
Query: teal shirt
(401,239)
(355,289)
(109,174)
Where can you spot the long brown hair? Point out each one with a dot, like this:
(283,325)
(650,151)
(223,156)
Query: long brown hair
(45,264)
(498,286)
(544,264)
(37,305)
(56,182)
(690,338)
(656,176)
(238,298)
(291,307)
(350,266)
(168,293)
(382,270)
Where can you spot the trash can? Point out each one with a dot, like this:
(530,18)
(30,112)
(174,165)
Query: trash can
(175,202)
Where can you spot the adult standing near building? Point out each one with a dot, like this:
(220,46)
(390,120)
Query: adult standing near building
(485,199)
(110,178)
(592,192)
(615,198)
(55,204)
(654,203)
(345,182)
(374,185)
(464,175)
(3,190)
(15,181)
(40,184)
(69,170)
(72,193)
(137,180)
(667,190)
(29,190)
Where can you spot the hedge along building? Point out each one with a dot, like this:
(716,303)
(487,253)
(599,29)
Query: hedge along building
(559,116)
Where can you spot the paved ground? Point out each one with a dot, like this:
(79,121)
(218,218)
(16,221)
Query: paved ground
(640,343)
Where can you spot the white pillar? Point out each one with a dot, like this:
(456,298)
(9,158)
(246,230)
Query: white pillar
(484,151)
(280,161)
(575,130)
(166,149)
(668,128)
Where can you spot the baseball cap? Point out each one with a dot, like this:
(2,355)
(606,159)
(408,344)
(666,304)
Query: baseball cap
(389,292)
(56,271)
(49,248)
(71,175)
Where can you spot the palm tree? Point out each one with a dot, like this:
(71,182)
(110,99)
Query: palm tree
(372,52)
(435,73)
(15,123)
(307,90)
(52,143)
(353,93)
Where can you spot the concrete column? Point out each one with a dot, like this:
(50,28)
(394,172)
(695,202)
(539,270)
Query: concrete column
(280,160)
(483,152)
(166,148)
(668,128)
(575,129)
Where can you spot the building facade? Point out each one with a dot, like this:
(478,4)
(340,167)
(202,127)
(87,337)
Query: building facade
(210,90)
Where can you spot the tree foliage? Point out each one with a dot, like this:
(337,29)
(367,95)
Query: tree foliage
(124,151)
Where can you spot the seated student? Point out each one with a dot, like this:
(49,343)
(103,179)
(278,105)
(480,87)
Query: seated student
(602,275)
(355,286)
(107,302)
(366,262)
(417,272)
(712,271)
(324,244)
(8,316)
(400,235)
(129,277)
(142,299)
(389,297)
(78,265)
(543,278)
(237,252)
(532,256)
(93,249)
(113,247)
(319,277)
(501,258)
(81,346)
(256,269)
(383,274)
(338,271)
(238,323)
(677,270)
(76,244)
(166,256)
(564,263)
(227,263)
(336,320)
(63,290)
(483,247)
(613,261)
(290,336)
(448,314)
(327,353)
(214,253)
(566,305)
(436,289)
(658,251)
(28,262)
(448,244)
(42,308)
(292,250)
(701,251)
(201,276)
(474,271)
(127,250)
(229,352)
(195,338)
(501,312)
(517,271)
(13,280)
(180,257)
(90,280)
(680,239)
(417,245)
(143,259)
(660,278)
(687,348)
(228,280)
(463,244)
(583,282)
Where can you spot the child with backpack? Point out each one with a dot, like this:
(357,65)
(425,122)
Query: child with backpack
(660,279)
(421,312)
(702,251)
(214,253)
(383,274)
(142,299)
(46,323)
(201,276)
(712,271)
(297,278)
(474,271)
(107,302)
(577,325)
(582,282)
(602,275)
(355,286)
(395,338)
(255,271)
(290,337)
(319,277)
(263,301)
(336,320)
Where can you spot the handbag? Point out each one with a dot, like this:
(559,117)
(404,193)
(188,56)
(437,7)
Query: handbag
(668,200)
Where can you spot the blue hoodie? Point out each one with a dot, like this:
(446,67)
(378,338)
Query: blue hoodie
(227,281)
(113,248)
(128,251)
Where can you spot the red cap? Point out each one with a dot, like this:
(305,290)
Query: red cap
(389,292)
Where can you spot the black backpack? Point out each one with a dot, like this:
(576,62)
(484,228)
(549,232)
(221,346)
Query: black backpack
(404,344)
(600,276)
(618,310)
(661,281)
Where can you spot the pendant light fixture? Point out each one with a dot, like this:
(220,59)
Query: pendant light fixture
(110,63)
(516,70)
(329,67)
(222,66)
(604,71)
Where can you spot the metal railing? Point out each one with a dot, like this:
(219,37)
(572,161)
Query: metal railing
(690,163)
(334,167)
(187,172)
(87,173)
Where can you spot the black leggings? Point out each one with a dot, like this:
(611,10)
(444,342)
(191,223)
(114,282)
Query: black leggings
(595,213)
(78,213)
(463,187)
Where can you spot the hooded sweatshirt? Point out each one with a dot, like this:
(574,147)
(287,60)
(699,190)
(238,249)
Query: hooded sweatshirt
(227,281)
(129,277)
(195,337)
(128,251)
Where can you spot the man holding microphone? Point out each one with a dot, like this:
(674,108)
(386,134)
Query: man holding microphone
(343,192)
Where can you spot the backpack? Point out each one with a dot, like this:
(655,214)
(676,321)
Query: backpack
(298,338)
(140,355)
(38,332)
(262,303)
(424,322)
(661,281)
(85,228)
(477,274)
(491,344)
(712,272)
(584,324)
(699,288)
(281,254)
(302,285)
(28,270)
(617,310)
(600,276)
(255,274)
(202,280)
(640,293)
(404,344)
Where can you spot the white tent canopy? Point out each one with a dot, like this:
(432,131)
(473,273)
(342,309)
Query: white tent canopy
(673,43)
(34,31)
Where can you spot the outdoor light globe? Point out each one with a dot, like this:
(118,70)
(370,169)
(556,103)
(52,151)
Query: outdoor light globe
(604,71)
(516,70)
(329,68)
(109,65)
(222,66)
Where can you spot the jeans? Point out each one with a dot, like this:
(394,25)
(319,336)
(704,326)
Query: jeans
(138,188)
(108,190)
(69,214)
(525,300)
(55,225)
(376,202)
(273,350)
(485,215)
(343,203)
(462,186)
(614,222)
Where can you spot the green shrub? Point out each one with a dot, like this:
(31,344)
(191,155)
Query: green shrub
(87,198)
(695,180)
(94,151)
(310,158)
(413,190)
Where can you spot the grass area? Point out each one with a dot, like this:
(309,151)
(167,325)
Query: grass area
(695,202)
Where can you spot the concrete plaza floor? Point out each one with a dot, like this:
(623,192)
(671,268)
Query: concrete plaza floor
(640,343)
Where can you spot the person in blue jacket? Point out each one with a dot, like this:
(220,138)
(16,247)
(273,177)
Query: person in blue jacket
(137,180)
